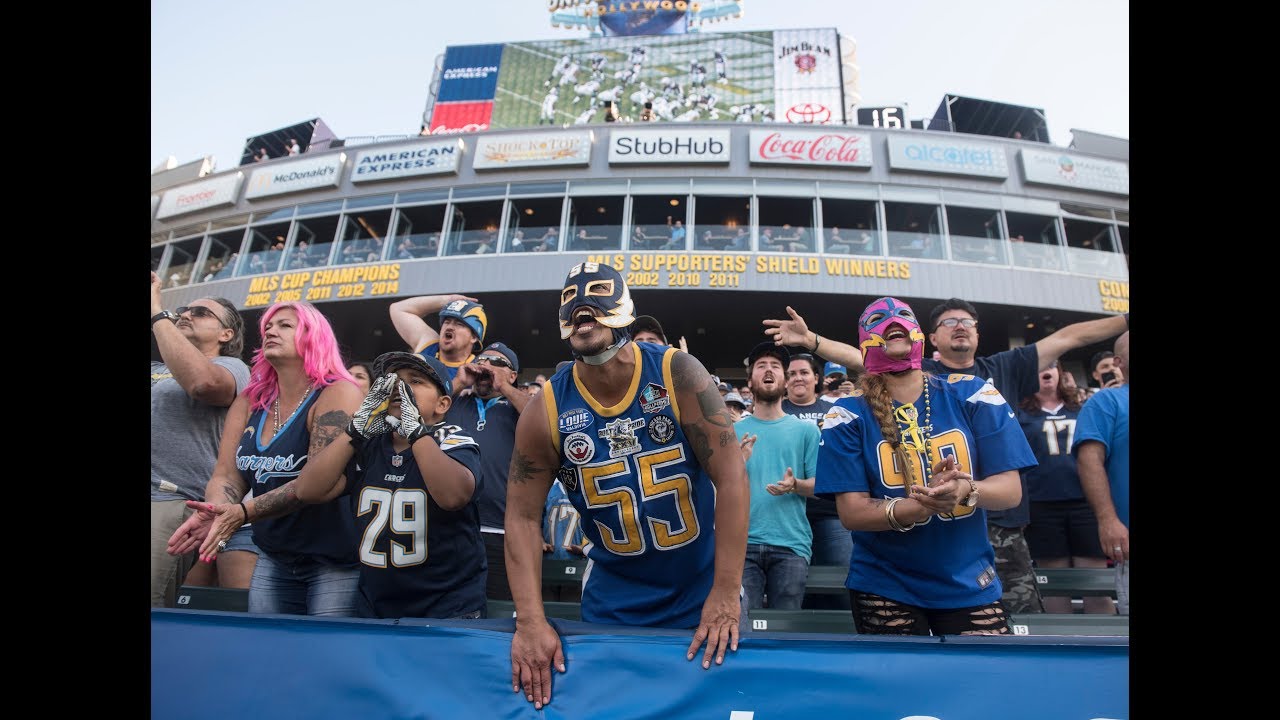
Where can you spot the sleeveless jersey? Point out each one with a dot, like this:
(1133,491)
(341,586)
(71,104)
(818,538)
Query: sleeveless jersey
(416,559)
(325,531)
(941,563)
(647,506)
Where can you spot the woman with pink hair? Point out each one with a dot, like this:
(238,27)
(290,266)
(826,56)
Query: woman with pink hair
(299,398)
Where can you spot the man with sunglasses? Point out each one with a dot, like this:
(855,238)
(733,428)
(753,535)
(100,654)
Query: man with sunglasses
(489,414)
(198,376)
(1014,372)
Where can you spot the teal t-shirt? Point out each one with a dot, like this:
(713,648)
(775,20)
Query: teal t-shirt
(787,442)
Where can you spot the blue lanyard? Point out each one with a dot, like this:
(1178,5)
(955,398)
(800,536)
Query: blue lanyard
(481,407)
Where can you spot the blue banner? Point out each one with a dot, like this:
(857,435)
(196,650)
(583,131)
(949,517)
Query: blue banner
(470,73)
(226,665)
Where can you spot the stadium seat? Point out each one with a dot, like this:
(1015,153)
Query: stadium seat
(192,597)
(806,621)
(563,572)
(1069,624)
(827,580)
(1076,582)
(562,610)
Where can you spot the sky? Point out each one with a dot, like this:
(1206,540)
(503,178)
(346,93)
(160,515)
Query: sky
(224,71)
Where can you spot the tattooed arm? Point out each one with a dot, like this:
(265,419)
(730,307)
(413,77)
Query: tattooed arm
(710,435)
(326,422)
(534,463)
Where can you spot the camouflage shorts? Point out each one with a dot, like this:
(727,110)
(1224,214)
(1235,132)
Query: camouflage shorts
(1013,566)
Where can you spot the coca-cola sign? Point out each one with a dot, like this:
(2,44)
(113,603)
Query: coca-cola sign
(840,148)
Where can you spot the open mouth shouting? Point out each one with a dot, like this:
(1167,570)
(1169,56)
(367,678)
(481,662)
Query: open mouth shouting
(584,321)
(896,332)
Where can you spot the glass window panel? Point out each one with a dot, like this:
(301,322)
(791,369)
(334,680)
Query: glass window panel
(913,230)
(659,187)
(595,223)
(533,224)
(284,213)
(480,191)
(182,261)
(370,201)
(222,256)
(157,254)
(723,222)
(190,230)
(556,188)
(364,237)
(332,206)
(785,224)
(226,223)
(975,235)
(422,196)
(791,188)
(601,187)
(842,190)
(266,249)
(921,196)
(159,238)
(1033,240)
(1087,211)
(716,186)
(474,228)
(967,199)
(851,227)
(654,219)
(1122,216)
(417,233)
(312,242)
(1028,205)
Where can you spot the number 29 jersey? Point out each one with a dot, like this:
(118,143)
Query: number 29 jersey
(647,505)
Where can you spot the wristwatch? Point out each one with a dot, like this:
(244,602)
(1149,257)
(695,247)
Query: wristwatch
(971,500)
(164,315)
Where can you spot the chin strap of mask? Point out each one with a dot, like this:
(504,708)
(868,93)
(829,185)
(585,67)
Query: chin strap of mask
(607,354)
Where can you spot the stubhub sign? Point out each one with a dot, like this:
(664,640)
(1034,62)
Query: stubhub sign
(669,146)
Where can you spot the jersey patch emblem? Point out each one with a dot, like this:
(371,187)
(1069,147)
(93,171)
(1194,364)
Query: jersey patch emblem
(661,429)
(574,420)
(568,476)
(397,460)
(957,377)
(654,398)
(621,434)
(579,448)
(836,417)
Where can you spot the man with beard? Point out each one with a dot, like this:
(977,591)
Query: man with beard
(780,470)
(489,414)
(1014,372)
(462,325)
(643,444)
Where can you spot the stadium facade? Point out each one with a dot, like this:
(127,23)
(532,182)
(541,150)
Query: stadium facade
(781,203)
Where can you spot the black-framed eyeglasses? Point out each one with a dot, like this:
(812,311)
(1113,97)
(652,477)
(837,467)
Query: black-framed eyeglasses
(496,362)
(199,311)
(952,322)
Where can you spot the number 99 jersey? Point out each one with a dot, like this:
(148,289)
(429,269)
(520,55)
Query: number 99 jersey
(647,505)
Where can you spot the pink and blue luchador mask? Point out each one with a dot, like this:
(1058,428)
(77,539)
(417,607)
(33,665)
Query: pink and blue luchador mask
(885,318)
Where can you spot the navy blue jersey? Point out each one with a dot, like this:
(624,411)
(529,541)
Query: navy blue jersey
(1051,435)
(492,424)
(942,563)
(1016,374)
(325,531)
(416,559)
(647,505)
(815,508)
(433,350)
(561,526)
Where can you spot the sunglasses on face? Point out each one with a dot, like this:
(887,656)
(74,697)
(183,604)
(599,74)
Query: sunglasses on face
(952,322)
(199,311)
(496,362)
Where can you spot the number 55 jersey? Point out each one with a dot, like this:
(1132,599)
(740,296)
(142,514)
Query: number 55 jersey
(647,505)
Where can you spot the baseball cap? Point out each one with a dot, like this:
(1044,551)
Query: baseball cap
(725,387)
(650,323)
(734,397)
(468,312)
(832,368)
(506,352)
(429,366)
(768,348)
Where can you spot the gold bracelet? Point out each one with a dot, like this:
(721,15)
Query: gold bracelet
(894,524)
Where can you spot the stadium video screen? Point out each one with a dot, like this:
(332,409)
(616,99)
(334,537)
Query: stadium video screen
(788,76)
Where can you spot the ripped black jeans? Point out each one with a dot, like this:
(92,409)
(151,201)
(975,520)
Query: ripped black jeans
(877,615)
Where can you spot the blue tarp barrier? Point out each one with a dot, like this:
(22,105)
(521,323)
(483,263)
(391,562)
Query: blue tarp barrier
(229,665)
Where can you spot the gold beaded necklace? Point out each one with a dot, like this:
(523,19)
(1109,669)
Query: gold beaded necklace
(306,393)
(915,437)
